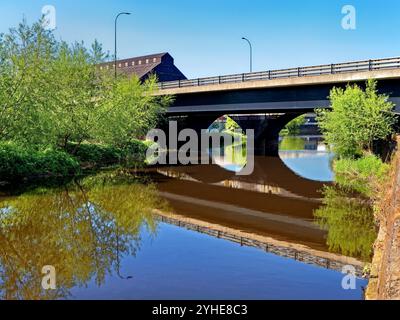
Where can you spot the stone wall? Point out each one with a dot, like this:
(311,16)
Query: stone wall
(384,281)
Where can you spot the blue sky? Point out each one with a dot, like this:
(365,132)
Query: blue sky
(204,36)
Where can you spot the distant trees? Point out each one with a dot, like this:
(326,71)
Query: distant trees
(293,127)
(231,125)
(52,93)
(358,118)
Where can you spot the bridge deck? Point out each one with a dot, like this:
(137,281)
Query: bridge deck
(324,74)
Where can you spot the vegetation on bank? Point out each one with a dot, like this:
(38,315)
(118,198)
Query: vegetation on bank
(17,163)
(364,175)
(58,107)
(357,119)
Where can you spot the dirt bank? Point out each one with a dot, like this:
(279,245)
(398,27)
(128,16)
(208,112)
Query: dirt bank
(385,270)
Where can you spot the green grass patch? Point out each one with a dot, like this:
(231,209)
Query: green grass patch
(362,175)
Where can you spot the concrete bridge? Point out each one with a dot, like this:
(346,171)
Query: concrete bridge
(284,93)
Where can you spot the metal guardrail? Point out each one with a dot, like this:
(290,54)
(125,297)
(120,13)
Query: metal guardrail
(348,67)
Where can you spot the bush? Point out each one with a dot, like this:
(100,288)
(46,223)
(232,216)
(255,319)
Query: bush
(17,163)
(101,155)
(363,175)
(95,154)
(358,118)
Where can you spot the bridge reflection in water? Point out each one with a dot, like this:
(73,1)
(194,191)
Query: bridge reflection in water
(272,209)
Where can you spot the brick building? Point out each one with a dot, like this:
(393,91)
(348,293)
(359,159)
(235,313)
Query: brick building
(161,64)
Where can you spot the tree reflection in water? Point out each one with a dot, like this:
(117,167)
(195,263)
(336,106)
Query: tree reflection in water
(83,230)
(349,220)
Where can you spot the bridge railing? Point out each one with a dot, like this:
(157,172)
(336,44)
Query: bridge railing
(347,67)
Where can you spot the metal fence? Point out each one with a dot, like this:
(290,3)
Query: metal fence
(357,66)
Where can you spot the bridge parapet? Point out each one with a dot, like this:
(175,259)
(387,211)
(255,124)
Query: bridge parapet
(374,67)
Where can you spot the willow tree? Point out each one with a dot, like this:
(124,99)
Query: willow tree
(53,93)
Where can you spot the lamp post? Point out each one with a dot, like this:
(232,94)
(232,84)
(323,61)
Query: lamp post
(115,48)
(251,53)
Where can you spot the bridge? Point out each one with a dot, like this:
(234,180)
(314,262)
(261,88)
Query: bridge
(284,94)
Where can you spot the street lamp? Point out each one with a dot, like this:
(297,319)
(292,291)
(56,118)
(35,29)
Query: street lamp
(115,48)
(251,53)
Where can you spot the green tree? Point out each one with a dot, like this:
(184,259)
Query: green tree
(25,56)
(129,111)
(53,93)
(357,119)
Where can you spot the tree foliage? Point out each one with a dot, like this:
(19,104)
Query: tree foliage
(357,119)
(53,93)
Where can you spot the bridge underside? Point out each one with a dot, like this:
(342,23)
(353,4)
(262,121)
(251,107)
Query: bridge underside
(198,110)
(299,98)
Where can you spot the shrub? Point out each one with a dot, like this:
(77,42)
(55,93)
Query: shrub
(135,152)
(17,163)
(95,154)
(102,155)
(357,119)
(363,175)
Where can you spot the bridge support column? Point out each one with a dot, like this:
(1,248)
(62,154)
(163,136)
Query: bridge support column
(194,122)
(266,131)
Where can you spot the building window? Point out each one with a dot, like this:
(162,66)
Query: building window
(140,62)
(126,64)
(154,59)
(147,60)
(120,65)
(133,63)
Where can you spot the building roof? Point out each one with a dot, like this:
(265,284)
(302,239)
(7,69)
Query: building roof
(141,66)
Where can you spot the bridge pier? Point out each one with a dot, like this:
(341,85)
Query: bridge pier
(266,128)
(266,131)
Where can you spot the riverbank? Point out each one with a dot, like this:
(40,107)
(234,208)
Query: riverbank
(384,281)
(19,164)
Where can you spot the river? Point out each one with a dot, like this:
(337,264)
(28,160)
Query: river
(190,232)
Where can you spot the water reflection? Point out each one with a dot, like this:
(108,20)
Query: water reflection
(307,156)
(231,156)
(83,230)
(92,230)
(349,220)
